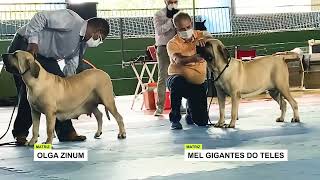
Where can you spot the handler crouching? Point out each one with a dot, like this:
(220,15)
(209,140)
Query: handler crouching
(187,72)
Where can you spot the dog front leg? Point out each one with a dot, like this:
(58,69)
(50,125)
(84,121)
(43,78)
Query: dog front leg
(235,99)
(35,126)
(51,122)
(221,100)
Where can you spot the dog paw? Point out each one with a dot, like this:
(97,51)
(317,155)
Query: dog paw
(231,126)
(279,119)
(48,141)
(295,120)
(122,135)
(97,135)
(218,125)
(31,142)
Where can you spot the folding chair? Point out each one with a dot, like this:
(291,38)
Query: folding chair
(152,53)
(246,54)
(149,64)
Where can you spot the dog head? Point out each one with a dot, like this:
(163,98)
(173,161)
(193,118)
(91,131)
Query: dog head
(213,52)
(20,62)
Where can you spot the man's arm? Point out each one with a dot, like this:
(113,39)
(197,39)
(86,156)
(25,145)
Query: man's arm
(162,24)
(71,66)
(202,37)
(207,35)
(47,19)
(183,60)
(175,55)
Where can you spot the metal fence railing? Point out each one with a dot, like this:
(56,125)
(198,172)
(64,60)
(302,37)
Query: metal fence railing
(138,23)
(15,15)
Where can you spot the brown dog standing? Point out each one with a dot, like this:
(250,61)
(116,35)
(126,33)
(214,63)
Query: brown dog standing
(243,79)
(63,98)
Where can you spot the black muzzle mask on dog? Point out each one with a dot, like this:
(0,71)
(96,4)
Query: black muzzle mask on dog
(203,52)
(9,68)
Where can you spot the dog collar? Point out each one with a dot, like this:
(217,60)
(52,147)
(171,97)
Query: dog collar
(25,72)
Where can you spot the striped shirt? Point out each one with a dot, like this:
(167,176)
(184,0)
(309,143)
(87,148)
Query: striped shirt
(164,29)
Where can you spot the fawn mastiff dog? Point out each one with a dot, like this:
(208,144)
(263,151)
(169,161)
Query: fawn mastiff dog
(63,98)
(243,79)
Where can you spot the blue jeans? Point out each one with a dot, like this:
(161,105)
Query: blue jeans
(196,97)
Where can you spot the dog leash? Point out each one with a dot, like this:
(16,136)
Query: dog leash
(212,85)
(13,143)
(227,65)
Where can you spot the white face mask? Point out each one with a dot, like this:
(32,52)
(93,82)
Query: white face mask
(94,43)
(172,6)
(186,34)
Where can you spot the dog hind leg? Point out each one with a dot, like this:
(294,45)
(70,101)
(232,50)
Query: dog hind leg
(286,94)
(111,106)
(275,94)
(98,114)
(107,99)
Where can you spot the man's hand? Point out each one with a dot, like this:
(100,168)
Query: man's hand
(33,49)
(201,42)
(198,58)
(171,13)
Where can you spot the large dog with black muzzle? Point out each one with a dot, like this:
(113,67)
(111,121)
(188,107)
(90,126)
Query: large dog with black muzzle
(243,79)
(63,98)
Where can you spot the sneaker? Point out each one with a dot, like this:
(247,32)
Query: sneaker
(176,125)
(189,120)
(71,136)
(21,140)
(158,112)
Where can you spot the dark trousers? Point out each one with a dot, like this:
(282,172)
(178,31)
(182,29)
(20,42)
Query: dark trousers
(23,120)
(196,97)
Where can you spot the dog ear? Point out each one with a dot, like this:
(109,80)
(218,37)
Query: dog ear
(209,52)
(224,52)
(34,69)
(205,52)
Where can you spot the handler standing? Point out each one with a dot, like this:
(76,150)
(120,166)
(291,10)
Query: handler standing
(164,31)
(49,36)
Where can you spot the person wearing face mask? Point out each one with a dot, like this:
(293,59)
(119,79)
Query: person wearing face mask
(187,72)
(164,31)
(49,36)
